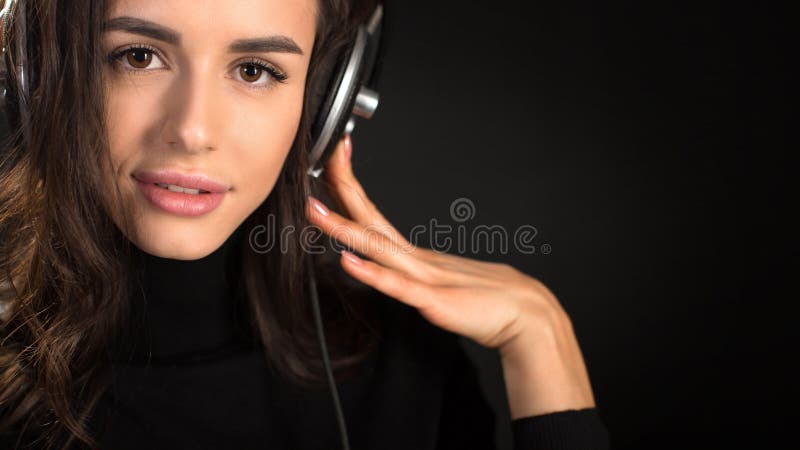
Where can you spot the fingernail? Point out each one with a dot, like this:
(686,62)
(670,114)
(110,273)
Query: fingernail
(318,206)
(352,258)
(348,147)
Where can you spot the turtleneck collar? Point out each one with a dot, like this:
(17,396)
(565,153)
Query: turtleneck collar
(185,309)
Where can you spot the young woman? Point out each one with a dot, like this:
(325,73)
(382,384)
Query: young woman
(134,319)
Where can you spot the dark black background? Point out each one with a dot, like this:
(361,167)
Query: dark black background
(647,145)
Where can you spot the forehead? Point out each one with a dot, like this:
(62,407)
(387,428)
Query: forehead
(225,20)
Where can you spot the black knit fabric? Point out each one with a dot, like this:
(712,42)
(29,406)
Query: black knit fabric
(190,378)
(563,430)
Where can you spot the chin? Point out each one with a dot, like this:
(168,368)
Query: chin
(175,250)
(178,244)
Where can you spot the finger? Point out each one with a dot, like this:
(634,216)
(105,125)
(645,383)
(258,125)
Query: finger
(472,267)
(349,193)
(440,304)
(334,164)
(389,281)
(369,242)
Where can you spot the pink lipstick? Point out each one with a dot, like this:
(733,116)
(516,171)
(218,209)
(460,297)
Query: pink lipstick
(180,193)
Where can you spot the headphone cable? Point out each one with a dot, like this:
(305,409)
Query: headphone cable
(312,283)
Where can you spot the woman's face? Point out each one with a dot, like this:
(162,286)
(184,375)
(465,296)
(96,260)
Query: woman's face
(195,87)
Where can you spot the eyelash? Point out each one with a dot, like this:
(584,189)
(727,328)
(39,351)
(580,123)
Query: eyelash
(274,73)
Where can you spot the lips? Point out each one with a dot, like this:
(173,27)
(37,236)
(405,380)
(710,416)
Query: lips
(184,180)
(176,201)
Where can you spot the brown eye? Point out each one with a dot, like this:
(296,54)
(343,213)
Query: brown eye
(250,72)
(139,58)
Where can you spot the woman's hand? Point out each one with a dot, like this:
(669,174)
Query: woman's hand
(493,304)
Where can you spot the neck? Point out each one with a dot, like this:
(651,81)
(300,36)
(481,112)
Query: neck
(184,309)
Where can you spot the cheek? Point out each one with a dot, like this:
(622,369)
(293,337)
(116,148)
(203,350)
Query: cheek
(263,143)
(252,134)
(127,126)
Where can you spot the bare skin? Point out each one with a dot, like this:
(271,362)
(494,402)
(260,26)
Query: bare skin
(196,106)
(493,304)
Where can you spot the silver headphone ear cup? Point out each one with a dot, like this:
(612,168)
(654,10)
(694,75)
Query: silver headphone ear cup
(339,109)
(347,93)
(323,104)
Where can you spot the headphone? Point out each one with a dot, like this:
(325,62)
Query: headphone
(346,92)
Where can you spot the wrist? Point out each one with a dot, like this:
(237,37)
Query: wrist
(544,370)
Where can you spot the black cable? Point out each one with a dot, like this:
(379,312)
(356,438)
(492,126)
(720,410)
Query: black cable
(312,284)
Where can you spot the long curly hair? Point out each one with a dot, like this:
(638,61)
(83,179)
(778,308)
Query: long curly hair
(65,270)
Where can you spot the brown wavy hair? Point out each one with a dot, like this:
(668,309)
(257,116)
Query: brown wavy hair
(65,267)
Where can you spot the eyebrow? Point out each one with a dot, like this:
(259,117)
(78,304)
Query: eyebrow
(134,25)
(277,43)
(144,28)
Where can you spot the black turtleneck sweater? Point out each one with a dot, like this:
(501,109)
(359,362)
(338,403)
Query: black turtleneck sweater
(192,379)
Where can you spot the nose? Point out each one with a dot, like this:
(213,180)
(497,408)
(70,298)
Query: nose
(192,112)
